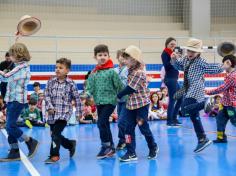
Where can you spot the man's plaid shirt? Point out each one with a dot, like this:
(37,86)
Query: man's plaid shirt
(59,96)
(137,81)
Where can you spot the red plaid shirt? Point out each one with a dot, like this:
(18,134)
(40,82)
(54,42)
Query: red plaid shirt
(228,89)
(137,81)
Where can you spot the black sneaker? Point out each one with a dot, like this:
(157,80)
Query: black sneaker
(120,146)
(202,145)
(52,159)
(72,150)
(153,153)
(128,157)
(224,140)
(13,155)
(105,152)
(178,123)
(32,145)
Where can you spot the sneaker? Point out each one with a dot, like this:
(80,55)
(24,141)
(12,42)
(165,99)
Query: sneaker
(128,157)
(105,152)
(28,124)
(172,125)
(202,145)
(52,159)
(224,140)
(178,123)
(13,155)
(153,153)
(72,150)
(120,146)
(32,145)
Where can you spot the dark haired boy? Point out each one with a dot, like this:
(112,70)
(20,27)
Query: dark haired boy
(229,98)
(104,84)
(59,93)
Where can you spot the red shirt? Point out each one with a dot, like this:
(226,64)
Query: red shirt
(228,89)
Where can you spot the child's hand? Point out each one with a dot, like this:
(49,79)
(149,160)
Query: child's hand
(2,73)
(207,92)
(175,56)
(51,111)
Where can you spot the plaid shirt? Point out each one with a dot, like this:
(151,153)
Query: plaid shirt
(59,96)
(196,72)
(137,80)
(228,89)
(17,79)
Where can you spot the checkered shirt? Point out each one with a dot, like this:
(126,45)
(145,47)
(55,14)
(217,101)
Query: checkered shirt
(17,79)
(137,81)
(196,75)
(228,89)
(59,96)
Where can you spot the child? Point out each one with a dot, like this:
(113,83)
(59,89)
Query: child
(194,67)
(156,111)
(59,93)
(229,99)
(37,91)
(165,99)
(122,70)
(32,115)
(213,107)
(137,105)
(89,114)
(16,97)
(42,107)
(104,84)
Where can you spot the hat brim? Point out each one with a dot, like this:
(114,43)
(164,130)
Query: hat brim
(24,21)
(193,49)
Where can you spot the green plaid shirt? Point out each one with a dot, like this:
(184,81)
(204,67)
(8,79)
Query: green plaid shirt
(104,85)
(137,80)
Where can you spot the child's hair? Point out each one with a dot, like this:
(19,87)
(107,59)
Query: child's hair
(232,59)
(168,40)
(20,52)
(64,61)
(216,96)
(32,101)
(162,88)
(120,53)
(136,64)
(36,84)
(154,93)
(101,49)
(7,54)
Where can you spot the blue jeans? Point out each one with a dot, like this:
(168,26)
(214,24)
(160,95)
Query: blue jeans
(104,112)
(134,117)
(192,107)
(223,117)
(173,106)
(13,112)
(122,120)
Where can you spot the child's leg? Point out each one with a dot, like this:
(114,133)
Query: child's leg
(122,122)
(58,139)
(104,112)
(141,119)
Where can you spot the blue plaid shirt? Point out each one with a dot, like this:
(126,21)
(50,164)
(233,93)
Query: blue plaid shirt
(196,75)
(17,79)
(59,96)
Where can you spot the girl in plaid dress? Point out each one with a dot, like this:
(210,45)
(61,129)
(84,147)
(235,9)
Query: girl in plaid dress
(137,105)
(194,67)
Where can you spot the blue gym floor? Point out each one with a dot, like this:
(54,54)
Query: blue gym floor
(176,155)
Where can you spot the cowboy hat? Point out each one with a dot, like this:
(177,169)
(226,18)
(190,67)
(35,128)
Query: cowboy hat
(194,45)
(134,52)
(28,25)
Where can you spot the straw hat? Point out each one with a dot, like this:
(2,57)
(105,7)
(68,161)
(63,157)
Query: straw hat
(194,45)
(28,25)
(134,52)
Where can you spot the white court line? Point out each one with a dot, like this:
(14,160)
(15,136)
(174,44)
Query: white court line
(25,160)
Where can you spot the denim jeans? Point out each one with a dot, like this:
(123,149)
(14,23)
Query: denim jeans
(173,106)
(134,117)
(122,120)
(13,112)
(104,112)
(188,107)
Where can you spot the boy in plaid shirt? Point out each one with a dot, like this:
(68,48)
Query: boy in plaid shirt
(137,105)
(194,67)
(16,98)
(229,98)
(59,93)
(104,84)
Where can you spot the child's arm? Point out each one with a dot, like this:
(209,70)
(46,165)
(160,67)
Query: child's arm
(14,71)
(178,63)
(78,104)
(47,93)
(227,84)
(38,116)
(211,68)
(89,89)
(25,115)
